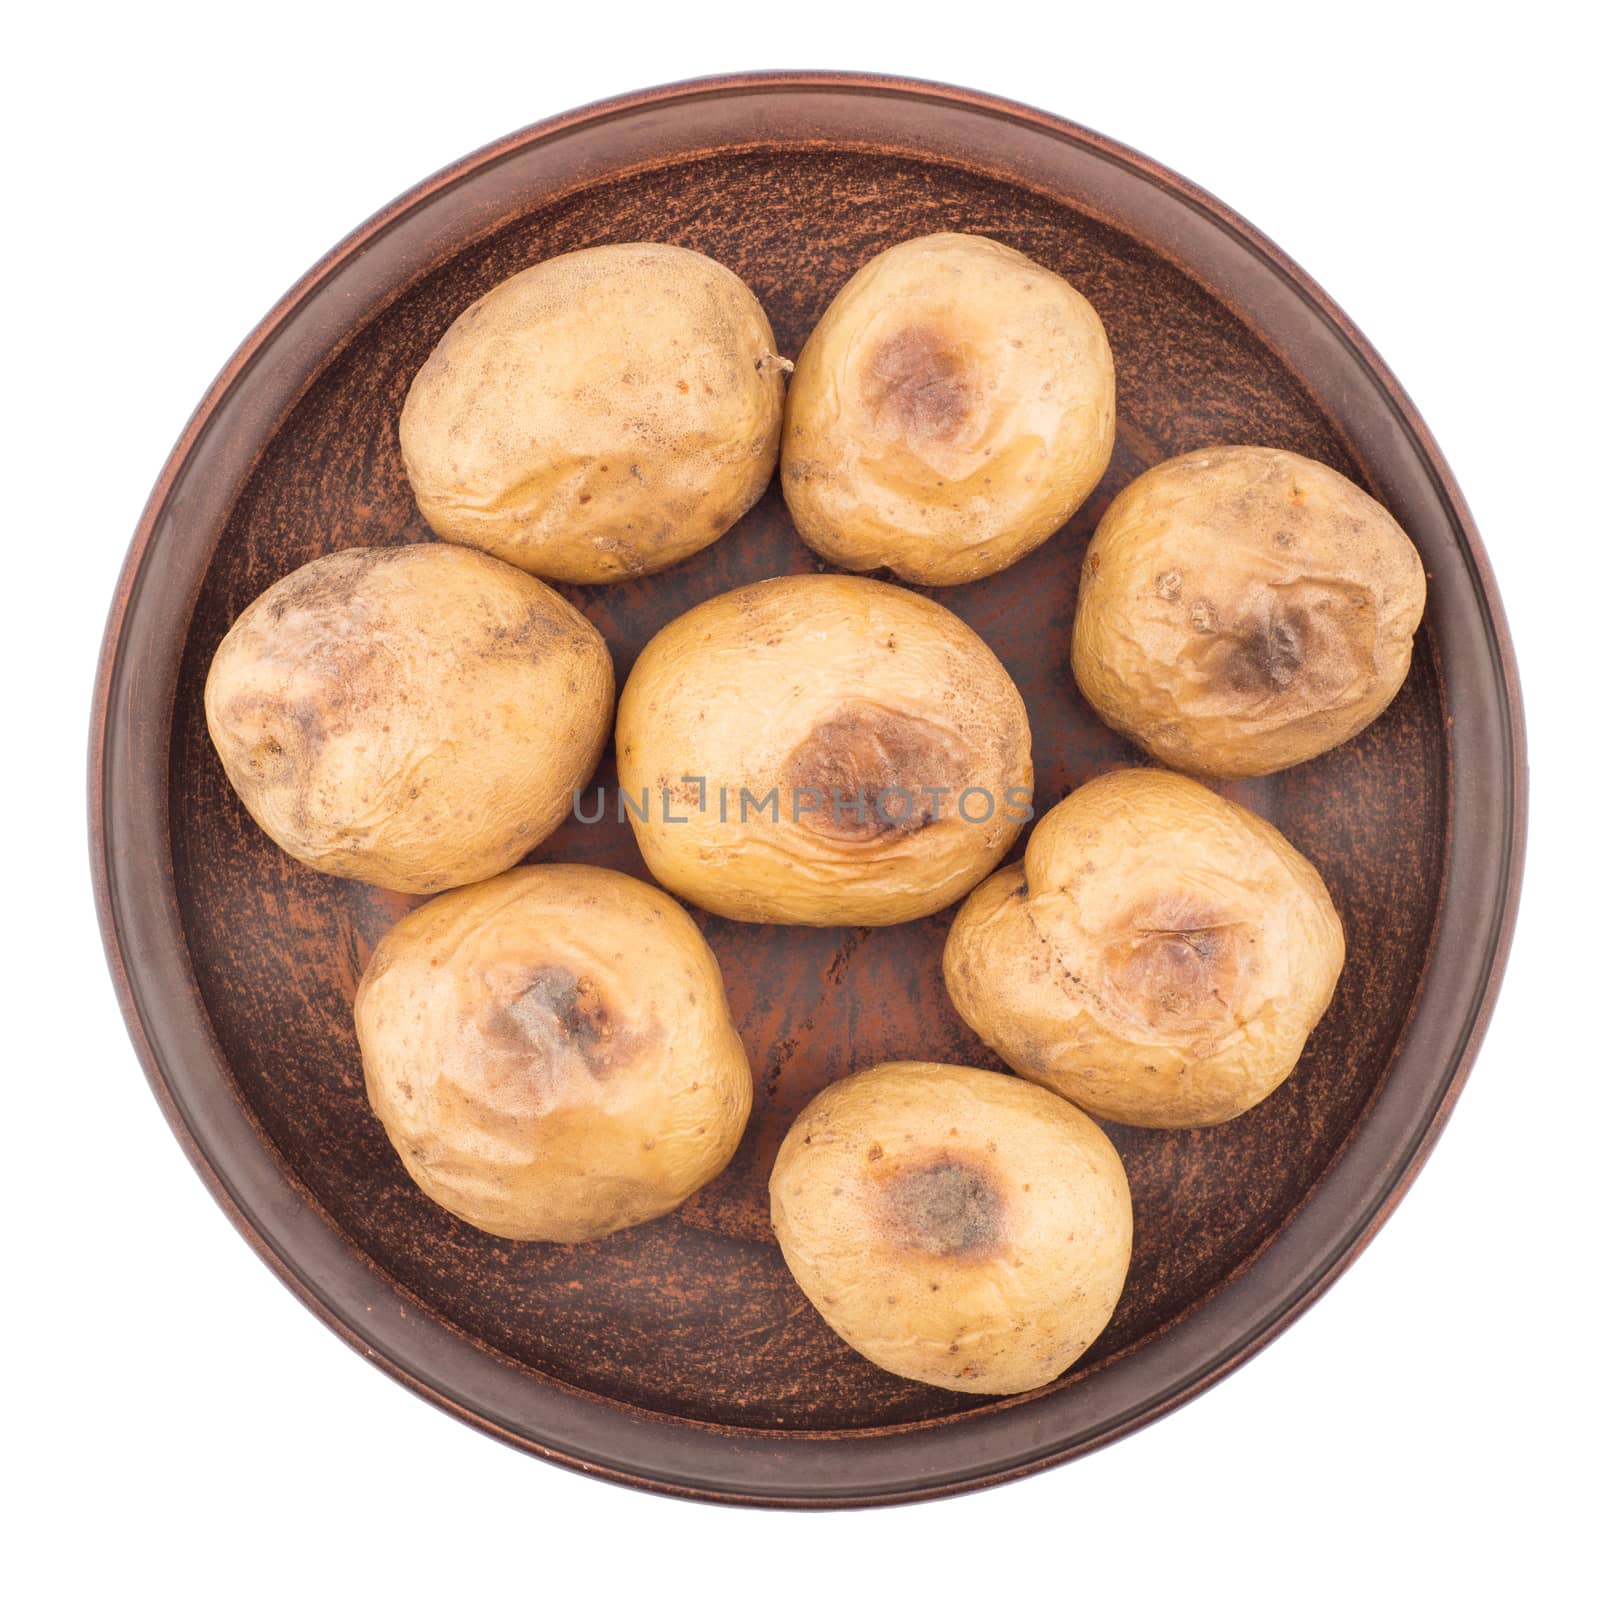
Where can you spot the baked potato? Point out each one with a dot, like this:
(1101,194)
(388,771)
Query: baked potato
(953,407)
(417,717)
(1159,957)
(823,750)
(956,1227)
(1244,609)
(551,1053)
(599,416)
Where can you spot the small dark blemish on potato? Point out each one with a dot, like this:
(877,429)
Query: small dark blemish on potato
(948,1205)
(322,585)
(1266,659)
(555,1016)
(879,764)
(1176,965)
(915,380)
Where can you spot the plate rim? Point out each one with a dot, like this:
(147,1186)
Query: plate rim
(117,935)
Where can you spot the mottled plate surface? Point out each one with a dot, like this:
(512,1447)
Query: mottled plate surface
(680,1355)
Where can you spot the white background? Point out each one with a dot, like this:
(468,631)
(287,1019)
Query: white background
(176,1423)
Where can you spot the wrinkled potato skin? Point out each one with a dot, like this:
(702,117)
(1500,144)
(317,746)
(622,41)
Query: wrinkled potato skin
(601,415)
(953,407)
(416,717)
(551,1053)
(1159,958)
(956,1227)
(822,682)
(1244,609)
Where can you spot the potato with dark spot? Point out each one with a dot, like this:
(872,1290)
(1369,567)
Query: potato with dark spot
(822,750)
(953,407)
(417,717)
(1244,609)
(599,416)
(956,1227)
(1159,958)
(551,1053)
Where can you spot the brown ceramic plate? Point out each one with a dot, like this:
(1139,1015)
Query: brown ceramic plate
(680,1355)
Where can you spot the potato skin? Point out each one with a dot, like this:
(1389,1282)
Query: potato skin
(821,683)
(599,416)
(956,1227)
(953,407)
(416,717)
(1159,958)
(1244,609)
(551,1053)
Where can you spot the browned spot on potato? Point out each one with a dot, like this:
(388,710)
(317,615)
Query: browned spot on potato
(334,692)
(947,1205)
(1266,657)
(916,381)
(1315,639)
(1175,965)
(330,584)
(335,676)
(538,626)
(865,774)
(556,1016)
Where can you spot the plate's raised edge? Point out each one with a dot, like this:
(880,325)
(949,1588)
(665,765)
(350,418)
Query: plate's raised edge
(734,85)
